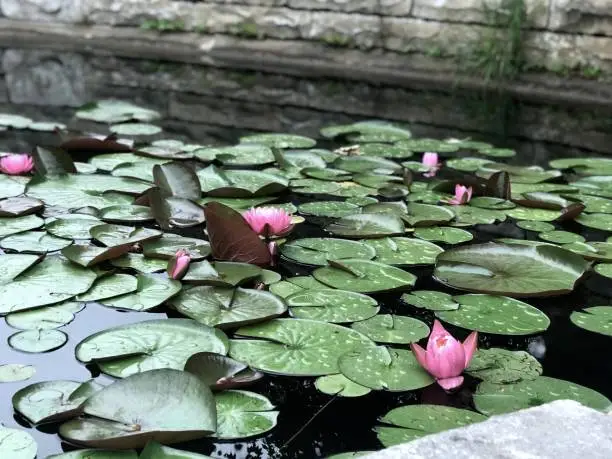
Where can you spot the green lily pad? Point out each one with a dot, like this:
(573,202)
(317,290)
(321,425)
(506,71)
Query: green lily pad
(40,319)
(366,164)
(468,164)
(221,273)
(71,226)
(599,251)
(34,242)
(491,399)
(52,401)
(237,155)
(164,343)
(235,183)
(135,129)
(140,263)
(19,206)
(340,385)
(17,444)
(387,328)
(119,235)
(495,314)
(226,307)
(295,347)
(220,372)
(431,300)
(126,214)
(96,454)
(510,269)
(380,367)
(594,204)
(364,276)
(501,366)
(166,246)
(350,455)
(151,291)
(115,111)
(14,121)
(367,225)
(175,179)
(109,287)
(532,213)
(532,225)
(164,405)
(35,341)
(373,131)
(403,251)
(53,280)
(427,215)
(330,305)
(14,372)
(317,251)
(597,319)
(282,141)
(11,186)
(561,237)
(596,221)
(155,450)
(330,209)
(487,202)
(469,216)
(604,269)
(444,234)
(242,414)
(269,277)
(14,225)
(416,421)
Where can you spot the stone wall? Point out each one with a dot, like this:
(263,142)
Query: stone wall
(559,34)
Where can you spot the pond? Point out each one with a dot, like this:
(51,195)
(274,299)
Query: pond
(380,243)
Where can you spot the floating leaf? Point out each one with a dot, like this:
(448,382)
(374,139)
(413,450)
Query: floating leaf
(221,273)
(380,367)
(532,213)
(164,405)
(155,450)
(444,234)
(495,314)
(19,206)
(226,307)
(331,209)
(237,155)
(367,225)
(537,226)
(140,263)
(13,372)
(491,399)
(513,270)
(17,444)
(416,421)
(176,179)
(54,162)
(317,251)
(430,299)
(340,385)
(596,221)
(387,328)
(487,202)
(71,226)
(604,269)
(135,129)
(220,372)
(126,214)
(364,276)
(403,251)
(561,237)
(469,215)
(597,319)
(164,343)
(53,401)
(10,186)
(171,212)
(151,291)
(427,215)
(295,347)
(14,121)
(35,341)
(96,454)
(14,225)
(34,242)
(274,140)
(110,286)
(242,414)
(166,246)
(501,366)
(374,131)
(330,305)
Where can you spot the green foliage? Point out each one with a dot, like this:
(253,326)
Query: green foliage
(246,29)
(164,25)
(337,40)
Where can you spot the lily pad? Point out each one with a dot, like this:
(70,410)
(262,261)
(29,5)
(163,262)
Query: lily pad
(317,251)
(226,307)
(14,225)
(561,237)
(164,405)
(11,186)
(596,221)
(532,213)
(126,214)
(17,444)
(380,367)
(155,450)
(282,141)
(52,401)
(34,242)
(40,319)
(242,414)
(501,366)
(175,179)
(71,226)
(367,225)
(35,341)
(135,129)
(220,372)
(375,131)
(166,246)
(416,421)
(19,206)
(495,314)
(151,291)
(331,305)
(340,385)
(597,319)
(444,234)
(403,251)
(431,300)
(163,343)
(508,269)
(110,286)
(427,215)
(532,225)
(604,269)
(237,155)
(96,454)
(469,216)
(53,280)
(330,209)
(295,347)
(140,263)
(364,276)
(491,399)
(14,372)
(387,328)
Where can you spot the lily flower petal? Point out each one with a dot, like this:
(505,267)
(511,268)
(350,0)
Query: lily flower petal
(269,221)
(450,383)
(16,164)
(469,347)
(179,264)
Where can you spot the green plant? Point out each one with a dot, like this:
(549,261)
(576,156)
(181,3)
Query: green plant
(336,39)
(434,51)
(246,29)
(591,71)
(164,25)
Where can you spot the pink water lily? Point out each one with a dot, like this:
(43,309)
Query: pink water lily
(269,221)
(16,164)
(432,162)
(462,195)
(445,357)
(179,264)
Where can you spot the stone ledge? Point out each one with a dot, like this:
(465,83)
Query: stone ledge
(560,430)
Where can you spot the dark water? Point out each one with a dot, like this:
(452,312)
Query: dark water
(213,106)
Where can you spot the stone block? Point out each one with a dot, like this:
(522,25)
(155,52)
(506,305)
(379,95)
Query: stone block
(70,11)
(45,78)
(562,429)
(586,17)
(345,6)
(478,11)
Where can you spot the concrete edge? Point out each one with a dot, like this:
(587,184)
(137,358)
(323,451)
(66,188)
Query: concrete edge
(297,58)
